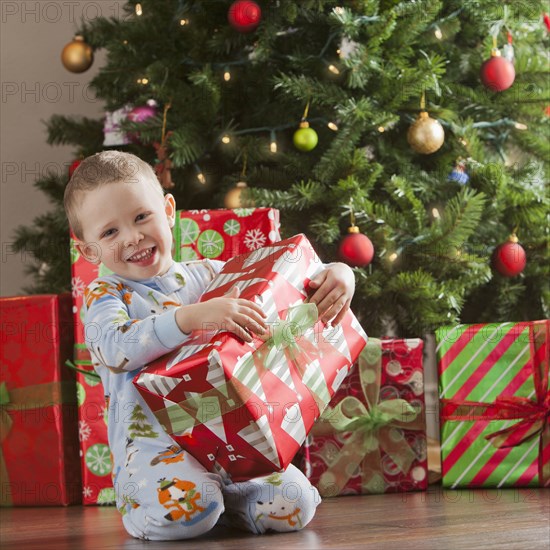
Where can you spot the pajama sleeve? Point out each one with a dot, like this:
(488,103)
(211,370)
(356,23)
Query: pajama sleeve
(119,342)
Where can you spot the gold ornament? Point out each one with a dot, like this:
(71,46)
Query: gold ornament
(426,135)
(234,198)
(77,56)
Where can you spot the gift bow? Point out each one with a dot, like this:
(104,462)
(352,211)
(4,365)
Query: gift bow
(20,399)
(292,336)
(533,415)
(372,430)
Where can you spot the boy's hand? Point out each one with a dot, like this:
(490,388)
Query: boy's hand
(334,288)
(229,313)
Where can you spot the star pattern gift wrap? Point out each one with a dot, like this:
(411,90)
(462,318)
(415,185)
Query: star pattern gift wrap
(216,234)
(372,437)
(39,464)
(222,234)
(495,404)
(244,409)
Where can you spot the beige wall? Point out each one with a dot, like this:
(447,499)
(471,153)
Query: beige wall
(35,85)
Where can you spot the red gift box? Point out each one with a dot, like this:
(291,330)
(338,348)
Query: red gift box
(223,234)
(39,461)
(244,409)
(372,437)
(216,234)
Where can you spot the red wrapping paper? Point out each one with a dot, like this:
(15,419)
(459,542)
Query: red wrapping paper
(348,462)
(216,234)
(38,417)
(244,409)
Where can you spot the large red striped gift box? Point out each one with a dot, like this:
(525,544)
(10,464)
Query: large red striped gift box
(217,234)
(372,436)
(244,409)
(495,404)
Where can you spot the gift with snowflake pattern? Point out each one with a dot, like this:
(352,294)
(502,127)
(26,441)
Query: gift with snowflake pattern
(244,408)
(495,404)
(216,234)
(222,234)
(372,436)
(39,462)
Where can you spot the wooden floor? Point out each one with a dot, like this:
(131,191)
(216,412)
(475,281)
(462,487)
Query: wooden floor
(439,519)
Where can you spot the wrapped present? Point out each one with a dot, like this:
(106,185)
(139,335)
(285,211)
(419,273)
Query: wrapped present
(495,404)
(216,234)
(223,234)
(39,462)
(95,454)
(372,437)
(244,409)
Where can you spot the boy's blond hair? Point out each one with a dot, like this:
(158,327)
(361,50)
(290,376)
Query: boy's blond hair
(101,169)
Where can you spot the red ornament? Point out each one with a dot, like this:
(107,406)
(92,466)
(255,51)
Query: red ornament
(244,15)
(497,73)
(356,249)
(546,19)
(509,258)
(73,167)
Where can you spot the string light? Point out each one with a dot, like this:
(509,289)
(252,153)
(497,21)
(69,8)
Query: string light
(200,175)
(520,126)
(435,214)
(139,10)
(226,139)
(273,142)
(227,75)
(333,69)
(333,126)
(184,22)
(392,257)
(381,129)
(143,81)
(438,33)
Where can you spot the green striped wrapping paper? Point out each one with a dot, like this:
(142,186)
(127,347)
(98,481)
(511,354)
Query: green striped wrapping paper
(495,404)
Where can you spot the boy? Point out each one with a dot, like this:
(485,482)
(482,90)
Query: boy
(148,307)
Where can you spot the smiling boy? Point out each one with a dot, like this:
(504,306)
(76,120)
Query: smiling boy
(148,307)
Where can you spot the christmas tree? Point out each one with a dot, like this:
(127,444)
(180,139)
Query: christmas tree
(316,106)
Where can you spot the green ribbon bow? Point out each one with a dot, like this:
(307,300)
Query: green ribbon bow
(372,429)
(292,336)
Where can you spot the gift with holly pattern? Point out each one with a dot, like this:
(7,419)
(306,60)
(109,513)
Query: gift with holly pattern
(39,462)
(216,234)
(372,437)
(245,408)
(495,404)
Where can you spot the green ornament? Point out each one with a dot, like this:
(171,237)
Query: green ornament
(80,394)
(210,243)
(74,252)
(189,231)
(98,459)
(305,138)
(231,227)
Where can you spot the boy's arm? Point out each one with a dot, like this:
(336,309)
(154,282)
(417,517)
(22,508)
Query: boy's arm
(124,344)
(333,290)
(119,342)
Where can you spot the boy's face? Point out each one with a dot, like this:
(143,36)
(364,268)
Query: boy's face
(127,227)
